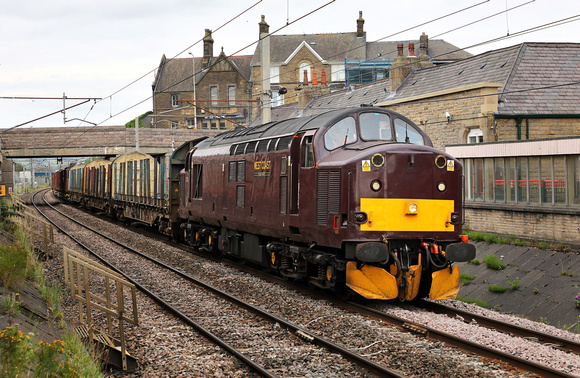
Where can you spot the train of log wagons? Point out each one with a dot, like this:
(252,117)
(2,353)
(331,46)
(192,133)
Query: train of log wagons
(349,200)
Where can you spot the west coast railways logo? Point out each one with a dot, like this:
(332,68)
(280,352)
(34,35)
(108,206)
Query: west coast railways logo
(262,168)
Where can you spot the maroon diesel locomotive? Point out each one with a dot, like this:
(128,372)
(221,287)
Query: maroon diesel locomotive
(353,198)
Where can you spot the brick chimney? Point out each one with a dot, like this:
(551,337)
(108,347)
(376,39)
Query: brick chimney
(207,48)
(424,44)
(264,27)
(359,26)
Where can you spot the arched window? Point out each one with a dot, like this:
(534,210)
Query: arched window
(475,136)
(304,66)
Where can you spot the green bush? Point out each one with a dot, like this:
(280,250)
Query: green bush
(466,278)
(491,262)
(13,265)
(497,288)
(475,262)
(513,284)
(478,302)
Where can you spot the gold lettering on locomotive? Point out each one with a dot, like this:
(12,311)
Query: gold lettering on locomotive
(262,168)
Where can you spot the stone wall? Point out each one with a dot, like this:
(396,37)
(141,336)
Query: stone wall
(467,110)
(526,224)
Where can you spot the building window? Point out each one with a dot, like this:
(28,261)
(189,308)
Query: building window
(304,66)
(204,125)
(475,136)
(275,75)
(174,100)
(277,99)
(174,125)
(337,72)
(213,94)
(213,124)
(533,180)
(190,123)
(222,125)
(232,95)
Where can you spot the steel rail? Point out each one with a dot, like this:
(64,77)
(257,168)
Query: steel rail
(482,350)
(300,332)
(192,323)
(500,325)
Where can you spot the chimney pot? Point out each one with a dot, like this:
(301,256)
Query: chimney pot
(314,79)
(323,78)
(411,49)
(305,77)
(400,49)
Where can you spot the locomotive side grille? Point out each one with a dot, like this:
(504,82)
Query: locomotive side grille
(327,196)
(283,194)
(322,198)
(334,192)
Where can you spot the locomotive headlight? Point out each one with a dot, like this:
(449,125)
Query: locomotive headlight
(376,185)
(441,186)
(411,208)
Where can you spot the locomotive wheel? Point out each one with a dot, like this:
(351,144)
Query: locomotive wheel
(330,274)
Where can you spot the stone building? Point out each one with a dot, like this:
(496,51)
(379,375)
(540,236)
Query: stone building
(221,91)
(306,66)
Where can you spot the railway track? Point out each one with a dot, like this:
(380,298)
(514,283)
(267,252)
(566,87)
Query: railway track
(301,336)
(434,334)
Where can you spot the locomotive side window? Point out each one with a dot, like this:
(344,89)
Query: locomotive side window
(196,180)
(341,133)
(308,152)
(283,166)
(375,126)
(406,133)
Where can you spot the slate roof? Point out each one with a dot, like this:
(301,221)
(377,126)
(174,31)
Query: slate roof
(333,48)
(490,67)
(438,50)
(544,65)
(518,68)
(175,74)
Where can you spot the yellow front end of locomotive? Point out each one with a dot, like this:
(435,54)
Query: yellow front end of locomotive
(403,214)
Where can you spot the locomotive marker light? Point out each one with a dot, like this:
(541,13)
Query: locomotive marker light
(441,186)
(440,161)
(376,185)
(412,208)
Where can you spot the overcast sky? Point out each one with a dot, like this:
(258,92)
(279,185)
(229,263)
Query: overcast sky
(95,49)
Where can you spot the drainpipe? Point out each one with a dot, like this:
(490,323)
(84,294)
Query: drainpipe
(527,129)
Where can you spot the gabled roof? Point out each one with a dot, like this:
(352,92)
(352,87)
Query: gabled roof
(333,48)
(438,50)
(552,65)
(174,75)
(490,67)
(519,69)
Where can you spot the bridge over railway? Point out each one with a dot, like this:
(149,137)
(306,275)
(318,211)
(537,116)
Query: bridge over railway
(55,142)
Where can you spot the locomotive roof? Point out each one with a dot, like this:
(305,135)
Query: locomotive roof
(285,127)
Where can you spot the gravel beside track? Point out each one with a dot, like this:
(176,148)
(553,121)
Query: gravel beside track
(166,347)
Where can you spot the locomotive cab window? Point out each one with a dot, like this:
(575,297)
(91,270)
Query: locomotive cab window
(341,133)
(375,126)
(406,133)
(196,181)
(307,152)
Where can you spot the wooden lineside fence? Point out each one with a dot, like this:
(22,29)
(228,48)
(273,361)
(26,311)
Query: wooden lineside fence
(78,270)
(36,227)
